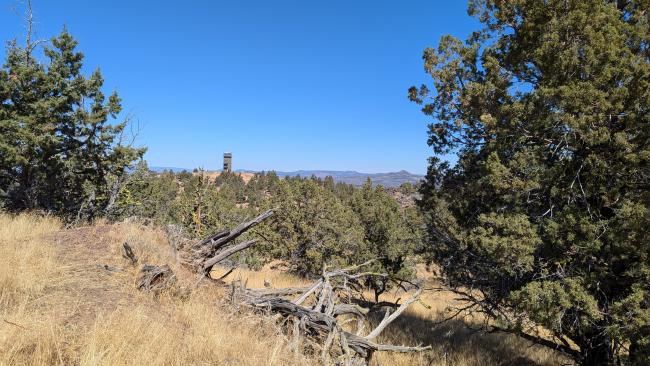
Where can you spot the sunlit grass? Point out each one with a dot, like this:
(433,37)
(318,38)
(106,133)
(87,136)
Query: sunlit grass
(59,306)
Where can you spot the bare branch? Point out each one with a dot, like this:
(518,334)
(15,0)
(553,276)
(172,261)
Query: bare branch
(389,319)
(207,266)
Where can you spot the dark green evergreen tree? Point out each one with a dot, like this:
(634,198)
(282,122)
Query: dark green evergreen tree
(234,182)
(545,218)
(59,151)
(312,228)
(387,235)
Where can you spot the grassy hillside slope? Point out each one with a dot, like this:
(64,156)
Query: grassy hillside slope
(60,305)
(68,297)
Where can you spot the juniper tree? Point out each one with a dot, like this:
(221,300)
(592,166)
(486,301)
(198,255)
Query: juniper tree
(388,235)
(147,194)
(59,151)
(545,218)
(234,182)
(312,228)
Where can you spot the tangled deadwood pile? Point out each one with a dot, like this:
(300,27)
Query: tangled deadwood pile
(330,316)
(322,311)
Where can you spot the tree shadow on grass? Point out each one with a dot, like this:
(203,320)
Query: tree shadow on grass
(456,342)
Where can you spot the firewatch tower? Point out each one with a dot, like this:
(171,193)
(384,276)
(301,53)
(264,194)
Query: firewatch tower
(227,162)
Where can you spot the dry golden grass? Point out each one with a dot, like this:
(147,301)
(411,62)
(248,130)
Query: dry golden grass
(454,342)
(256,279)
(22,250)
(60,305)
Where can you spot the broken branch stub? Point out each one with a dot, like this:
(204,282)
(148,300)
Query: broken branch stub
(128,253)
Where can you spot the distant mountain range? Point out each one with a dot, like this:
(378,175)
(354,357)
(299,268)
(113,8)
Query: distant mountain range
(393,179)
(160,169)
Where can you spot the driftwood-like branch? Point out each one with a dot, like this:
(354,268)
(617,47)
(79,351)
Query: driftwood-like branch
(343,309)
(214,237)
(322,321)
(205,254)
(307,293)
(266,293)
(389,318)
(207,266)
(222,238)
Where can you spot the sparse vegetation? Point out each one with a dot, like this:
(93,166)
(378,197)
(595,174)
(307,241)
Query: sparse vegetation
(60,306)
(318,222)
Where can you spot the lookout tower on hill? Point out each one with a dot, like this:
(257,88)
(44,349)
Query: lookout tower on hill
(227,162)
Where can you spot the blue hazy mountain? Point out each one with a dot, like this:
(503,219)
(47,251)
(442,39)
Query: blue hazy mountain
(160,169)
(392,179)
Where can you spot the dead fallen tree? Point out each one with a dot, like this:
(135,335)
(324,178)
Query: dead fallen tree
(328,315)
(322,311)
(200,256)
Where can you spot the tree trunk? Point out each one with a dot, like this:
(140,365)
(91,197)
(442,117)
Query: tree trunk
(598,351)
(640,353)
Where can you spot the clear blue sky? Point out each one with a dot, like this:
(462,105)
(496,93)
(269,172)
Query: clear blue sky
(284,85)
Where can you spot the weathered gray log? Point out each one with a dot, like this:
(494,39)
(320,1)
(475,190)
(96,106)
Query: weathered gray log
(222,238)
(155,278)
(227,252)
(214,237)
(310,320)
(319,325)
(278,292)
(203,255)
(351,309)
